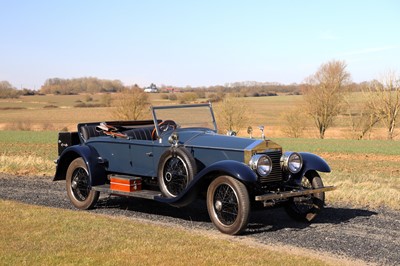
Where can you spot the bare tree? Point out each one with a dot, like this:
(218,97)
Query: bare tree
(384,101)
(7,90)
(362,118)
(296,122)
(324,94)
(131,104)
(232,114)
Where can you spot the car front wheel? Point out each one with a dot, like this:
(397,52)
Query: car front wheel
(78,185)
(306,208)
(228,205)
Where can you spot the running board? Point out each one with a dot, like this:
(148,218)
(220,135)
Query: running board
(293,193)
(144,194)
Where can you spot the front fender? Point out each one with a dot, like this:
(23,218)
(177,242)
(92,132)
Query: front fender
(97,172)
(237,170)
(312,162)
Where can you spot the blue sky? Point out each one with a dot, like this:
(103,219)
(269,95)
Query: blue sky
(197,43)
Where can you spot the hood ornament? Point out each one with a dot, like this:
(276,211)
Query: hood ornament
(250,131)
(262,131)
(174,139)
(231,133)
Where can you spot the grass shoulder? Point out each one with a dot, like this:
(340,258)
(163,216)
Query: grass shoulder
(47,236)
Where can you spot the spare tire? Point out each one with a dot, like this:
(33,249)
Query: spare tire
(176,169)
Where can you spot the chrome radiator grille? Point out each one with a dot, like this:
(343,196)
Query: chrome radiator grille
(276,173)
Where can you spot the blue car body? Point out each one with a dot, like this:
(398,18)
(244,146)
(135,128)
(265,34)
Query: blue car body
(145,149)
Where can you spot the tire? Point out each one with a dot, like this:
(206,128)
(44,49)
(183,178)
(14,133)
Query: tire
(78,185)
(306,208)
(228,205)
(176,169)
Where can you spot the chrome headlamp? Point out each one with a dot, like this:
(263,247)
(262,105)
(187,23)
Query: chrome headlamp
(292,162)
(261,164)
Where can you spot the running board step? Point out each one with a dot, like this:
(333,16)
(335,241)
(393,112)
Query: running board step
(144,194)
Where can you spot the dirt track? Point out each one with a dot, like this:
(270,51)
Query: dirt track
(370,236)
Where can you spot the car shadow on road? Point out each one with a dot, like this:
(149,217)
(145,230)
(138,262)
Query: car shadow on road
(265,220)
(195,212)
(276,219)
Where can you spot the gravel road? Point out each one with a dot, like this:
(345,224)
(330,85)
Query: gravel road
(370,236)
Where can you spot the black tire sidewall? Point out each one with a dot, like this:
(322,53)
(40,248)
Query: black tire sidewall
(243,199)
(93,196)
(186,158)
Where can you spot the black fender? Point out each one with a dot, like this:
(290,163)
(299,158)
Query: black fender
(312,162)
(94,163)
(237,170)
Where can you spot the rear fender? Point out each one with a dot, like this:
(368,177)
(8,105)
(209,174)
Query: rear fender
(237,170)
(94,163)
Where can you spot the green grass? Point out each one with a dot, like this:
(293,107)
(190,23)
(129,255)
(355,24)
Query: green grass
(32,235)
(340,146)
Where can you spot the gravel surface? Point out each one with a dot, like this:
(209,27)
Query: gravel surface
(370,236)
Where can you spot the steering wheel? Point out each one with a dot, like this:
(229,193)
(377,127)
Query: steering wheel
(165,126)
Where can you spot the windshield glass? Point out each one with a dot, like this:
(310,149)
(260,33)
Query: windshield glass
(186,116)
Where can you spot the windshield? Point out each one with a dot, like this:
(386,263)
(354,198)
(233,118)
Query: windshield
(187,116)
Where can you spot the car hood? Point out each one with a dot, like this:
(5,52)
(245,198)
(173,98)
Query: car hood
(211,140)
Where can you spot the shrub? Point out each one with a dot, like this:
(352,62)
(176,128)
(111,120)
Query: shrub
(173,97)
(187,97)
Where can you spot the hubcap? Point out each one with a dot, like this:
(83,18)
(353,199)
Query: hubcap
(218,205)
(74,184)
(168,177)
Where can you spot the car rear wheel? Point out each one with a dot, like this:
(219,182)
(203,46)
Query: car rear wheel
(78,185)
(176,169)
(306,208)
(228,205)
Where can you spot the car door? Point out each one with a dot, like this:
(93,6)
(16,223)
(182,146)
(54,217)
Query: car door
(142,158)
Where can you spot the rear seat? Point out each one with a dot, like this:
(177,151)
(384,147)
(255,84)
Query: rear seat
(88,132)
(141,133)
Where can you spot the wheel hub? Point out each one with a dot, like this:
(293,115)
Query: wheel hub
(74,184)
(168,177)
(218,205)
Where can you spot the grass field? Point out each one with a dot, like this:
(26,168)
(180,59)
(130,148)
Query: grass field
(34,235)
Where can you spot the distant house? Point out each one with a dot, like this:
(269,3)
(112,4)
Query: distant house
(151,89)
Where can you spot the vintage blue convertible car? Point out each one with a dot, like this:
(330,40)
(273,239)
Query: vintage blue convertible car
(178,157)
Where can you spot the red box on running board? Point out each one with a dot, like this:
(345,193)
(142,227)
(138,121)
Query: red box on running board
(125,183)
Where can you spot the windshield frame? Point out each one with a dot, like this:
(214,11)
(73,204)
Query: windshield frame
(182,106)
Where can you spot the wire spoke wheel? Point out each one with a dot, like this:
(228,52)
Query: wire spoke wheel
(175,175)
(176,169)
(304,203)
(78,185)
(306,208)
(228,205)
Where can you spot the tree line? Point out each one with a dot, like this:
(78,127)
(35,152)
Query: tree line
(92,85)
